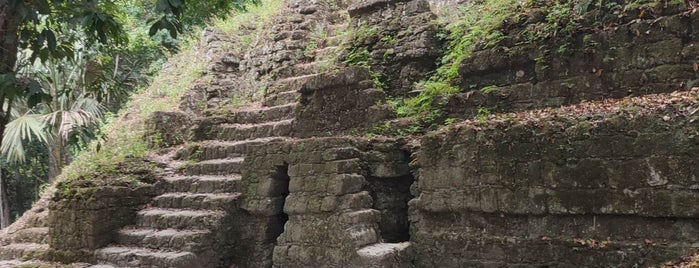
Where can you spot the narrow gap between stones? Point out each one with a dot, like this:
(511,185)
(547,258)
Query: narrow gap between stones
(391,196)
(280,188)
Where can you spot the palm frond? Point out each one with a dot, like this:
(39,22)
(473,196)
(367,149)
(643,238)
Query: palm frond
(84,112)
(25,127)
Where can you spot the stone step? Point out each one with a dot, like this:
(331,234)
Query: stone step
(281,98)
(214,167)
(160,218)
(341,15)
(237,132)
(39,219)
(254,115)
(302,69)
(364,216)
(385,255)
(203,184)
(170,239)
(196,200)
(293,83)
(328,52)
(23,251)
(333,41)
(290,34)
(214,149)
(142,257)
(42,264)
(37,235)
(336,29)
(363,235)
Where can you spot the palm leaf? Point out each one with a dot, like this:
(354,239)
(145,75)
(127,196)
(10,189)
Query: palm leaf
(25,127)
(84,112)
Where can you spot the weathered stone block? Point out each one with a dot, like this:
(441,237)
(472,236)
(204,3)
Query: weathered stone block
(355,201)
(349,166)
(344,184)
(90,220)
(168,128)
(340,153)
(366,6)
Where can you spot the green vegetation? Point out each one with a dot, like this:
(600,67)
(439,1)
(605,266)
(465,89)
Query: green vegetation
(249,26)
(478,25)
(361,57)
(62,86)
(358,55)
(124,132)
(130,172)
(482,114)
(547,26)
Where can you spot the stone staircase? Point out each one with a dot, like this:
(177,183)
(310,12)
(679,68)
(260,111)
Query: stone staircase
(183,226)
(373,252)
(321,55)
(384,255)
(186,225)
(30,241)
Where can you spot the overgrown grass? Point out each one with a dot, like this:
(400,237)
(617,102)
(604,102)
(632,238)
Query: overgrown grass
(478,24)
(123,133)
(250,27)
(485,24)
(257,14)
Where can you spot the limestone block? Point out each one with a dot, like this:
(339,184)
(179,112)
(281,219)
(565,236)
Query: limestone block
(365,6)
(344,184)
(168,128)
(355,201)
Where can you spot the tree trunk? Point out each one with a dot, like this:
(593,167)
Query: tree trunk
(56,157)
(9,21)
(4,206)
(19,203)
(9,43)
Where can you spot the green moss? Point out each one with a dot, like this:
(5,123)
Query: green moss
(131,173)
(550,27)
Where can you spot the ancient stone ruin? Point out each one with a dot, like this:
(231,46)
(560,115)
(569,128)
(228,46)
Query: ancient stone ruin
(564,174)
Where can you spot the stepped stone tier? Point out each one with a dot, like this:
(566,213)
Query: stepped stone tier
(289,179)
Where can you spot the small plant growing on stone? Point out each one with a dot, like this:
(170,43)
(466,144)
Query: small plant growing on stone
(389,39)
(483,114)
(489,89)
(358,57)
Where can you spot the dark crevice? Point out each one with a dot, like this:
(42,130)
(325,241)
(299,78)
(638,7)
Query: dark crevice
(280,189)
(391,196)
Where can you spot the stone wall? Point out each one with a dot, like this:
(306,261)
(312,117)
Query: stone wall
(312,200)
(560,190)
(86,215)
(244,65)
(640,54)
(400,37)
(341,102)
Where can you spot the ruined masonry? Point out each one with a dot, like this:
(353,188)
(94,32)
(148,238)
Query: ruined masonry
(578,168)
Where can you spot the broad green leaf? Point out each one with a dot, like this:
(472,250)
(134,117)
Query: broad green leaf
(26,127)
